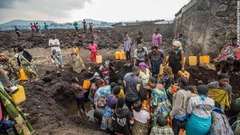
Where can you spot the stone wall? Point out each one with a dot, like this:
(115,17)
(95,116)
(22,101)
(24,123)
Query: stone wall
(206,25)
(148,29)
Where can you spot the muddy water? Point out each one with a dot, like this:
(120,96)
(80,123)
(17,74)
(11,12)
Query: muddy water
(73,110)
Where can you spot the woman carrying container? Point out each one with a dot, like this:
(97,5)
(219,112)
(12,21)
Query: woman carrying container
(176,58)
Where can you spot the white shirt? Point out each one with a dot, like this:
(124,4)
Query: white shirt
(199,107)
(142,116)
(144,77)
(53,42)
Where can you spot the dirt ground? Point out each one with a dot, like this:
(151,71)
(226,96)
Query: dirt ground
(51,104)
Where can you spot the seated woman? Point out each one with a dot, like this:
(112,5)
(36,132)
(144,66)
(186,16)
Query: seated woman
(227,56)
(7,66)
(25,61)
(78,64)
(200,108)
(220,91)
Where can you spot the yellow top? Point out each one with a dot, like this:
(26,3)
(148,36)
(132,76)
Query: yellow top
(121,93)
(75,49)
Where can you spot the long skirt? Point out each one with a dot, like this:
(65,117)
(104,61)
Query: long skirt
(30,69)
(139,128)
(198,125)
(93,56)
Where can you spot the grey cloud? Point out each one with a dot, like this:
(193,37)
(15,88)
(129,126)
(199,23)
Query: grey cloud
(7,3)
(57,8)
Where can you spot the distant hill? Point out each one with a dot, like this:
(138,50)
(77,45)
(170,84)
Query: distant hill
(24,22)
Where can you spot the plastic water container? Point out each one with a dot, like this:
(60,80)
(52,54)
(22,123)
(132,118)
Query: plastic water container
(184,74)
(19,96)
(167,57)
(23,76)
(122,55)
(161,69)
(204,59)
(117,55)
(86,84)
(99,58)
(192,60)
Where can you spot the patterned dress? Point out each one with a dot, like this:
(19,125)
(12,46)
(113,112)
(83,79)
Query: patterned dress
(28,66)
(159,99)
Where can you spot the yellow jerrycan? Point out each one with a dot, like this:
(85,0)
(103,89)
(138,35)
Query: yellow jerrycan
(117,55)
(184,74)
(23,76)
(99,59)
(161,69)
(19,96)
(86,84)
(192,60)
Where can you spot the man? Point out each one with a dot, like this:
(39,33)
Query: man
(139,39)
(75,24)
(155,58)
(45,26)
(133,87)
(17,31)
(127,46)
(55,45)
(84,26)
(140,54)
(227,56)
(157,38)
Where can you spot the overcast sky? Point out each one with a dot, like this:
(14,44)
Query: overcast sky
(104,10)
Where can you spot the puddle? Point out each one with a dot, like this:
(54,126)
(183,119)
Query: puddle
(73,109)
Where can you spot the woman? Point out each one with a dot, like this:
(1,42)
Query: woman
(157,38)
(9,109)
(93,48)
(78,64)
(200,108)
(25,61)
(220,124)
(179,105)
(168,80)
(176,58)
(220,91)
(7,66)
(144,73)
(160,103)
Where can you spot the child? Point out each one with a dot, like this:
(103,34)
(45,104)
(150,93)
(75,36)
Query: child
(79,94)
(141,119)
(75,50)
(56,60)
(109,109)
(122,118)
(120,84)
(161,128)
(105,72)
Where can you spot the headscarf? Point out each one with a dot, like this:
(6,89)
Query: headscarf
(178,44)
(143,64)
(140,46)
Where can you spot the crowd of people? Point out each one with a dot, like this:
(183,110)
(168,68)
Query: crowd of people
(146,100)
